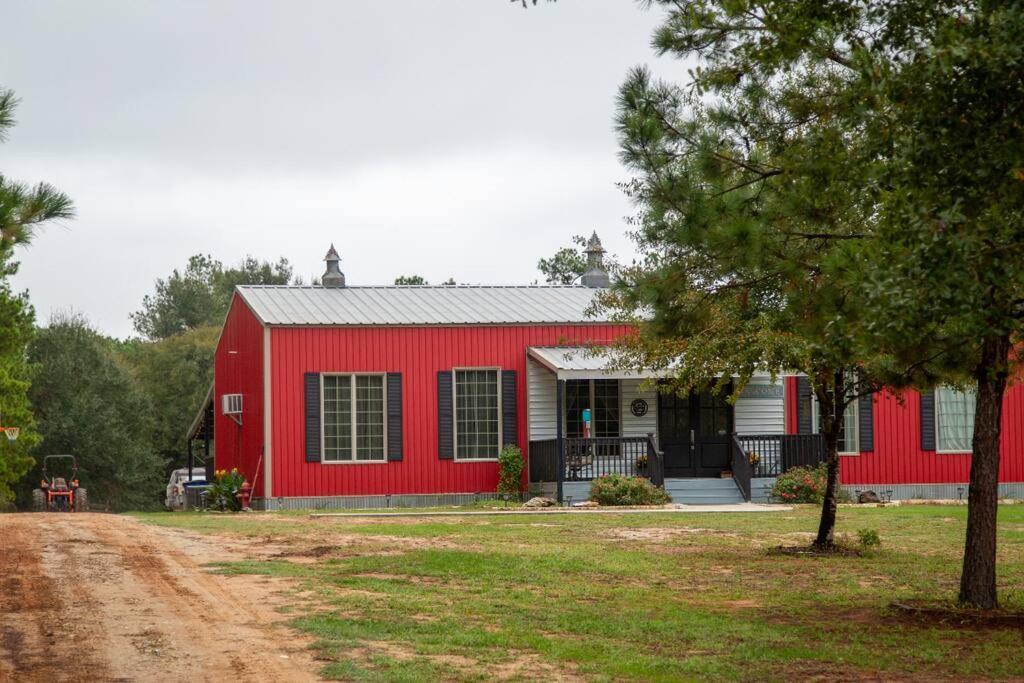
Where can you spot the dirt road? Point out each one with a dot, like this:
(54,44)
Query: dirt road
(90,597)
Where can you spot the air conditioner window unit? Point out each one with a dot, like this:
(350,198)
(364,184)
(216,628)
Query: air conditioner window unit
(231,405)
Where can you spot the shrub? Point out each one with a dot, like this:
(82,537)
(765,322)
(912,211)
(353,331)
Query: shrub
(510,470)
(614,489)
(223,491)
(801,485)
(868,538)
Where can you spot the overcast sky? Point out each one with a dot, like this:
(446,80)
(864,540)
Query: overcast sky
(448,138)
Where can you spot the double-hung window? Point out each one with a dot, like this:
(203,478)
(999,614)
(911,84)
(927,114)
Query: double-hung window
(848,436)
(954,420)
(477,413)
(353,418)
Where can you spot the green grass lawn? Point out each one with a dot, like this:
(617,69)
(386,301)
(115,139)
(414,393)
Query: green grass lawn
(641,596)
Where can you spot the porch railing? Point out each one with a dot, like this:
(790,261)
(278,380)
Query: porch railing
(742,469)
(587,459)
(769,455)
(590,458)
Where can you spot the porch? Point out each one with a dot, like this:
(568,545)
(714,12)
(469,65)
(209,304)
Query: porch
(574,461)
(697,447)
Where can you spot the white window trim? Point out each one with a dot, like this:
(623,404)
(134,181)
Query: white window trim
(816,423)
(323,445)
(455,414)
(954,451)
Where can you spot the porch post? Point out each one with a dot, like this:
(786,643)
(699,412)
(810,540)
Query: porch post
(559,443)
(190,458)
(206,447)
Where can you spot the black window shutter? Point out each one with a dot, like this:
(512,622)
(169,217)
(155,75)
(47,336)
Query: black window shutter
(394,380)
(509,424)
(803,406)
(312,393)
(927,420)
(445,416)
(866,423)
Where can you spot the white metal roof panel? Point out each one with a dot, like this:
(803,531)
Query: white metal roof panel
(580,362)
(420,305)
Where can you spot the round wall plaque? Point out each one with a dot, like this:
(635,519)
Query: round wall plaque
(638,407)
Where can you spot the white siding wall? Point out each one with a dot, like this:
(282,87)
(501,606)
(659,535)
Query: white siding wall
(540,401)
(630,390)
(761,408)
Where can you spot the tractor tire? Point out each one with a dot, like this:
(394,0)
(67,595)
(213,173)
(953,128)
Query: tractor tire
(38,500)
(81,500)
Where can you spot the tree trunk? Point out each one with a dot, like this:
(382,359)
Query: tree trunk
(828,402)
(978,581)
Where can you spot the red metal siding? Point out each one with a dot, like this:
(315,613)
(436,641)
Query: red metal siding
(238,369)
(789,392)
(418,353)
(898,458)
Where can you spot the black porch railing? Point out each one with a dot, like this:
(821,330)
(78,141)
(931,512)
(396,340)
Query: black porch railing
(544,460)
(770,455)
(587,459)
(742,469)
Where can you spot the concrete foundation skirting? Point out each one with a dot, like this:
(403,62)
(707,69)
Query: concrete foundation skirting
(371,502)
(1013,491)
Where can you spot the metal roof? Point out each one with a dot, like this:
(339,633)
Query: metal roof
(580,362)
(420,304)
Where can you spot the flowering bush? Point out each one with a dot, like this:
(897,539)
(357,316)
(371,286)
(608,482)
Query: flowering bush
(223,491)
(801,485)
(615,489)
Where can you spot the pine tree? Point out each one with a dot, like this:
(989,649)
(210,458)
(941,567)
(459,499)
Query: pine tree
(23,210)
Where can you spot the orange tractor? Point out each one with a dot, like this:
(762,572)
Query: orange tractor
(60,494)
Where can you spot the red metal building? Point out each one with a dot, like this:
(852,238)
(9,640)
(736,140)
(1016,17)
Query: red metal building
(367,396)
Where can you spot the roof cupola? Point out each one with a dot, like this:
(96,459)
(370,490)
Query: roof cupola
(333,277)
(595,275)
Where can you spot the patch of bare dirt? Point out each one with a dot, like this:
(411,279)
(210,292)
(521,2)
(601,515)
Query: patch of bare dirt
(103,597)
(946,614)
(656,534)
(813,551)
(520,666)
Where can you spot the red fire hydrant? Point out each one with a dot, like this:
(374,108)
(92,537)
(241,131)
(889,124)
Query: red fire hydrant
(244,494)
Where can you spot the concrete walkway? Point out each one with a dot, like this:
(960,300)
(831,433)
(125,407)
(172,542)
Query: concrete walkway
(739,507)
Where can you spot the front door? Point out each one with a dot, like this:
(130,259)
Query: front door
(695,433)
(675,434)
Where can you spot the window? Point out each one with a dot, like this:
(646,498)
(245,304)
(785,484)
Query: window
(715,413)
(954,420)
(847,433)
(353,418)
(477,414)
(601,396)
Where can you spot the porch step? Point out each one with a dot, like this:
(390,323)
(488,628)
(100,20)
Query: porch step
(703,491)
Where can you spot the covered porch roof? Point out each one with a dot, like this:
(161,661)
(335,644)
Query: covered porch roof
(581,362)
